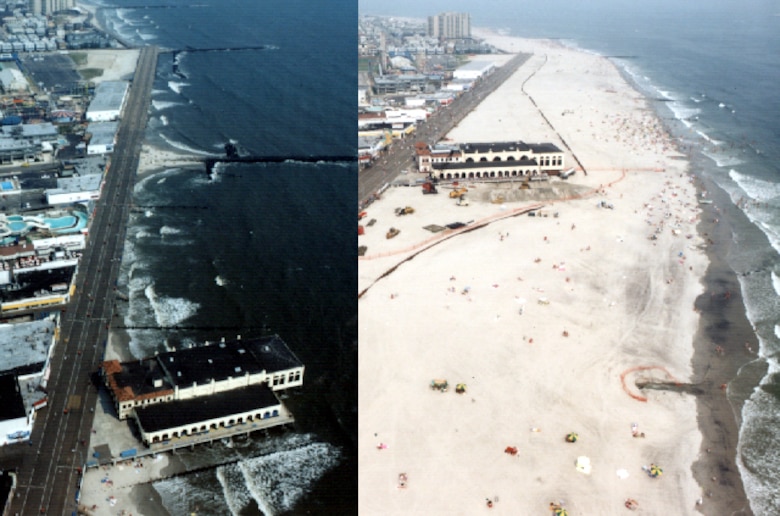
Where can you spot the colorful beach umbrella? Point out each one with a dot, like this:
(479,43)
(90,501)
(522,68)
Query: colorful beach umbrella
(655,471)
(571,437)
(460,388)
(561,512)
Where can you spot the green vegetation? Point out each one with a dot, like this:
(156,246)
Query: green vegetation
(461,60)
(364,64)
(90,73)
(78,58)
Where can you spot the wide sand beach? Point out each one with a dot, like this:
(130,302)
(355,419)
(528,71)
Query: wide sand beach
(553,323)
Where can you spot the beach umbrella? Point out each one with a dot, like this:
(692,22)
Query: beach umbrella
(583,464)
(560,511)
(655,471)
(460,388)
(571,437)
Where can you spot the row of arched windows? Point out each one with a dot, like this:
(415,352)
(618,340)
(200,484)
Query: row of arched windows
(545,161)
(195,430)
(486,175)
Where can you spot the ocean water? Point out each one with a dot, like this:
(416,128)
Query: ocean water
(714,68)
(253,248)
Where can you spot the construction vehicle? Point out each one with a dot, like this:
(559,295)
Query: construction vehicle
(429,188)
(458,192)
(404,211)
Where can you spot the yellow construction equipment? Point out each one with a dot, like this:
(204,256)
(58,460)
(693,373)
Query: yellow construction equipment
(458,192)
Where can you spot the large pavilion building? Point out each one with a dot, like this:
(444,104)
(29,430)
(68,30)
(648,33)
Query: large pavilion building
(489,160)
(212,387)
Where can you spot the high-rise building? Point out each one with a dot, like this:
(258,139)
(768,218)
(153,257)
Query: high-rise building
(450,26)
(51,6)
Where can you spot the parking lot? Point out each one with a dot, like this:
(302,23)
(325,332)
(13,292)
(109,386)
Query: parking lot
(54,72)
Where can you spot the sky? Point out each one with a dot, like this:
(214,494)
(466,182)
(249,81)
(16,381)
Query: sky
(489,13)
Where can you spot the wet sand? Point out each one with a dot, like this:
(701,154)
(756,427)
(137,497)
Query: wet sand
(724,343)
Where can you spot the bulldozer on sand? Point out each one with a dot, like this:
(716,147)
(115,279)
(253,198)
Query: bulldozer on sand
(458,192)
(429,188)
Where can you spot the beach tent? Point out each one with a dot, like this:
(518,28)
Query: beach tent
(583,464)
(571,437)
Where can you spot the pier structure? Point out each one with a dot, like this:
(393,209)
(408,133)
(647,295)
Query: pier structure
(204,390)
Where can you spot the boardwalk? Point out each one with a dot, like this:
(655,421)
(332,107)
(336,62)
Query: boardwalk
(400,157)
(47,479)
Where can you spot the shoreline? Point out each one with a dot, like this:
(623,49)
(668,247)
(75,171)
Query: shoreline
(677,175)
(718,412)
(716,470)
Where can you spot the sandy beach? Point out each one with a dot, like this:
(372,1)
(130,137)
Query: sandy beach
(551,322)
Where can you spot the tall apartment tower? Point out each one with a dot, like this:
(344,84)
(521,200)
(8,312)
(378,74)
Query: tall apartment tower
(50,6)
(450,26)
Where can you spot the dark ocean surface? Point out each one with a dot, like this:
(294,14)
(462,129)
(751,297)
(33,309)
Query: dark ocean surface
(254,248)
(714,70)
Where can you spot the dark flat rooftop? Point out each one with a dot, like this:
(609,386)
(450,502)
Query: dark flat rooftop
(217,361)
(485,164)
(223,360)
(11,404)
(193,411)
(509,147)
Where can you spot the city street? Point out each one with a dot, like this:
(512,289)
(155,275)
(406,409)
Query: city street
(48,475)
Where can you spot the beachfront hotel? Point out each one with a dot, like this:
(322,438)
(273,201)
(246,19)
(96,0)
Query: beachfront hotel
(489,160)
(194,391)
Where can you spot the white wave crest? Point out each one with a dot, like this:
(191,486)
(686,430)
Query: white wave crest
(756,189)
(177,86)
(188,149)
(722,160)
(759,451)
(279,480)
(160,105)
(219,280)
(776,284)
(170,311)
(683,112)
(168,230)
(146,36)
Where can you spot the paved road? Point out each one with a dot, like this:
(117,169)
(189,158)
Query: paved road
(401,154)
(47,477)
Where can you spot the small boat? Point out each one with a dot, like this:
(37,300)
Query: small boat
(393,232)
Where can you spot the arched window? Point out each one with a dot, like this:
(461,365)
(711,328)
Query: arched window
(497,158)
